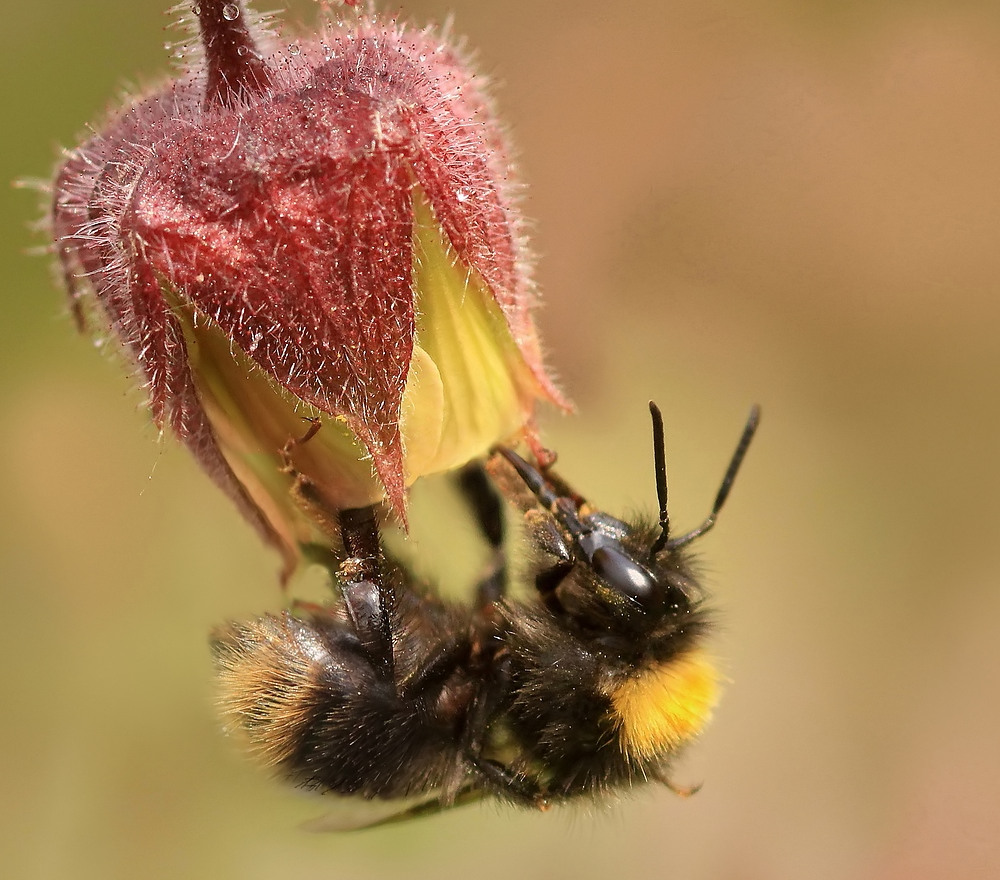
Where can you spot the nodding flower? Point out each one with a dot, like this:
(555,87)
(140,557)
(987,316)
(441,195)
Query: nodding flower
(320,230)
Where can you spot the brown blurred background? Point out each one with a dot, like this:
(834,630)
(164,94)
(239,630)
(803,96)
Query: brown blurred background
(795,203)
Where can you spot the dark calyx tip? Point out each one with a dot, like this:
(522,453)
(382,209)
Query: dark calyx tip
(234,67)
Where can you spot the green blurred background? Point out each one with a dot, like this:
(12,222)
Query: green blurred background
(795,203)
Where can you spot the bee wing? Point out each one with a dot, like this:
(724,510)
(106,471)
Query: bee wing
(357,815)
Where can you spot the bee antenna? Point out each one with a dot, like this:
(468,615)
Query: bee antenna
(727,481)
(660,469)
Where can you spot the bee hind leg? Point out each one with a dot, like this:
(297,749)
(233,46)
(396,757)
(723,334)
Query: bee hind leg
(367,594)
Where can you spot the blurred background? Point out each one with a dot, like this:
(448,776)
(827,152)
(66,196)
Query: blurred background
(794,203)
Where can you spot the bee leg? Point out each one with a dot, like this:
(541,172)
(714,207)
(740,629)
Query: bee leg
(488,702)
(487,705)
(367,595)
(506,783)
(487,507)
(491,775)
(684,791)
(308,496)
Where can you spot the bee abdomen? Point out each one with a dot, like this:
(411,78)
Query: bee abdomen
(270,677)
(306,701)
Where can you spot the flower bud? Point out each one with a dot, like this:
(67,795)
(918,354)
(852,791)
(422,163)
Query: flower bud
(319,230)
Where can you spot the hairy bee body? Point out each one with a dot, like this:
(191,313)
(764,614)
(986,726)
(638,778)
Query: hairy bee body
(592,685)
(306,698)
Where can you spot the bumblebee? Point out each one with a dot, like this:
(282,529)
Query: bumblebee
(591,685)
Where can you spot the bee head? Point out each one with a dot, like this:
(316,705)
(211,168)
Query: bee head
(613,579)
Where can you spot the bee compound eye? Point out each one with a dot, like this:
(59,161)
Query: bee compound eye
(625,576)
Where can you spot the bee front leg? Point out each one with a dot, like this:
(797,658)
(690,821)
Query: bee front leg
(487,508)
(368,596)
